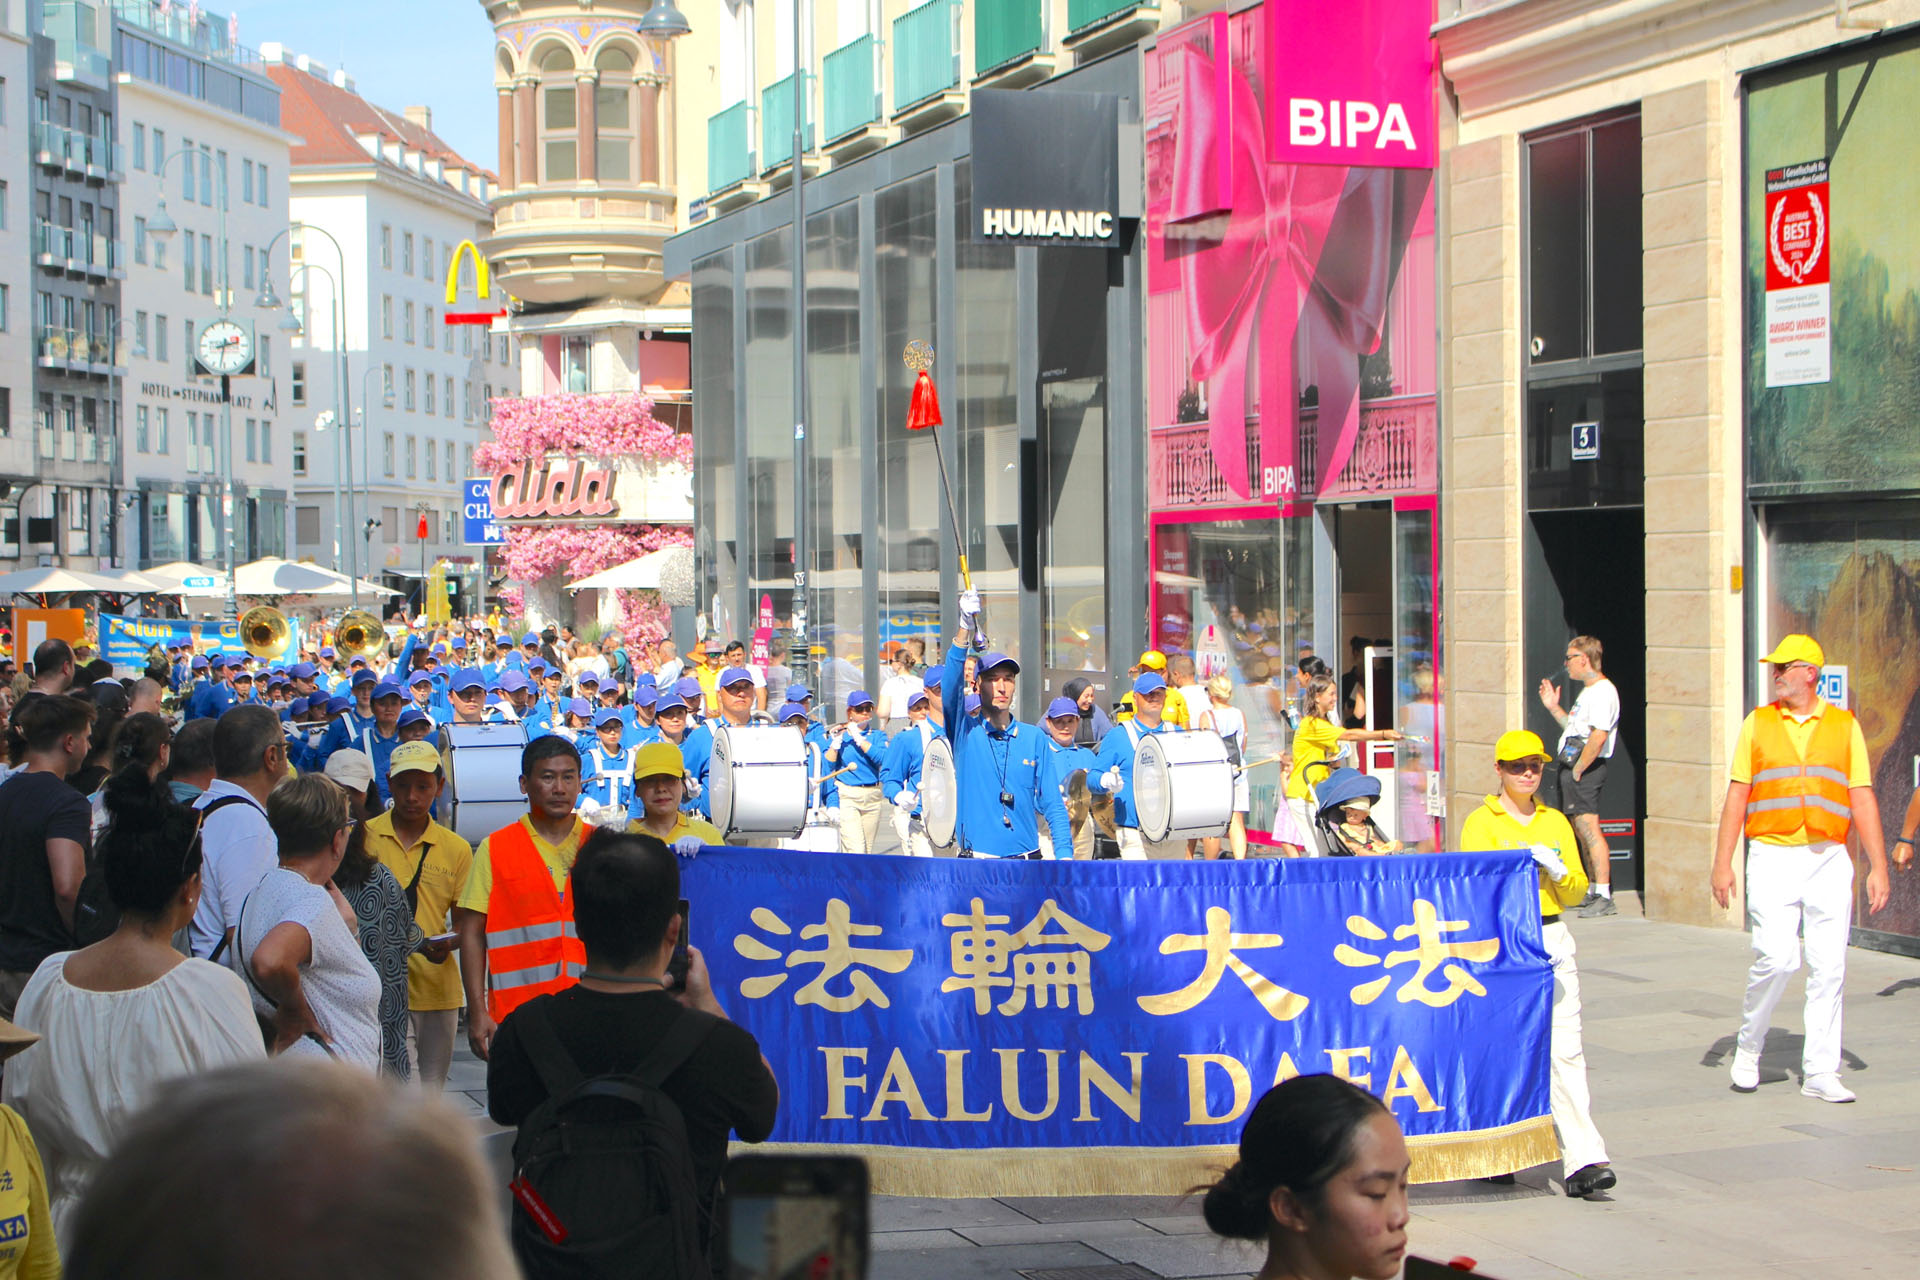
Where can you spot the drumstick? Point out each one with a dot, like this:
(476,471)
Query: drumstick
(1272,759)
(828,777)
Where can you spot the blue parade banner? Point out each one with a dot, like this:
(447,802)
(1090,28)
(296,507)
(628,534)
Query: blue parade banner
(1019,1028)
(125,641)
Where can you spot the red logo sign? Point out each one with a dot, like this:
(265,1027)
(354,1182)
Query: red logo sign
(1799,226)
(556,488)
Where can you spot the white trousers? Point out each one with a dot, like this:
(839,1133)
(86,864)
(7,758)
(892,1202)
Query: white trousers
(1580,1142)
(1135,847)
(913,839)
(860,818)
(1796,891)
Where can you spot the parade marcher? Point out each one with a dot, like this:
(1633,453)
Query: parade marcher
(425,694)
(996,758)
(414,725)
(431,863)
(1114,763)
(734,693)
(467,691)
(1514,819)
(900,772)
(659,778)
(1800,784)
(606,768)
(1588,732)
(855,753)
(514,913)
(823,799)
(1065,757)
(640,727)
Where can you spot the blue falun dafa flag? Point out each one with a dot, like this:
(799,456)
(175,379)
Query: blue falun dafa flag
(975,1027)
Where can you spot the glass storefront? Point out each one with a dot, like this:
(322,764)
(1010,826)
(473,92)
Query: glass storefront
(769,402)
(716,530)
(833,421)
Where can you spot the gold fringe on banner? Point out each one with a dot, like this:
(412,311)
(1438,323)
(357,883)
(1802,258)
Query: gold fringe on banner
(1146,1171)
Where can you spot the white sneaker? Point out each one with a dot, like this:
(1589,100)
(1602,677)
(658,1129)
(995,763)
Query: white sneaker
(1746,1070)
(1827,1087)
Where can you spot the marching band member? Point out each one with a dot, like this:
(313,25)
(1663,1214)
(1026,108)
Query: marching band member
(1064,757)
(513,693)
(855,753)
(659,778)
(823,800)
(1115,761)
(468,689)
(608,767)
(414,724)
(736,709)
(900,771)
(425,693)
(996,758)
(640,727)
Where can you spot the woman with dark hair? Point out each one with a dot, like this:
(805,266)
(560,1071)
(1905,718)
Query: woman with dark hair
(124,1017)
(145,741)
(388,936)
(1093,721)
(1321,1180)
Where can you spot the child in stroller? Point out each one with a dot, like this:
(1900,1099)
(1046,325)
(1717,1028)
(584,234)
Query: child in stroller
(1343,816)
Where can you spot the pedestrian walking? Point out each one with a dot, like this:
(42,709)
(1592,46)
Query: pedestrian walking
(1588,731)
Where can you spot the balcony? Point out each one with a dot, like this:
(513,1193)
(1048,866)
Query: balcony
(776,130)
(1010,43)
(730,161)
(52,245)
(1097,26)
(554,244)
(1394,456)
(78,253)
(850,79)
(203,32)
(78,55)
(926,66)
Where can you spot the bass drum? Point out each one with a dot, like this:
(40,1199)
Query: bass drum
(483,778)
(1182,785)
(757,781)
(939,794)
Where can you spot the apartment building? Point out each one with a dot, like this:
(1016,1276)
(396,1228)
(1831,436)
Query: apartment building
(18,465)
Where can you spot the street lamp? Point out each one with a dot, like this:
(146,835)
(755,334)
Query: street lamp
(162,228)
(366,443)
(663,22)
(290,324)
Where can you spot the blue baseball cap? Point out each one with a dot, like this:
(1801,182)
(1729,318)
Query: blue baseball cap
(217,660)
(200,662)
(858,698)
(1149,682)
(296,708)
(734,675)
(388,689)
(302,671)
(646,678)
(356,661)
(241,673)
(607,716)
(326,651)
(992,660)
(579,707)
(973,704)
(669,702)
(339,702)
(1062,707)
(364,676)
(420,677)
(531,638)
(513,680)
(918,695)
(586,678)
(440,648)
(413,715)
(932,680)
(459,643)
(466,679)
(687,687)
(645,695)
(797,692)
(789,711)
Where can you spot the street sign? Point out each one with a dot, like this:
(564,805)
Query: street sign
(1586,442)
(478,528)
(196,583)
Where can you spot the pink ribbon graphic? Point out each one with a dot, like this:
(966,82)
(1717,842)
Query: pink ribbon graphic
(1305,245)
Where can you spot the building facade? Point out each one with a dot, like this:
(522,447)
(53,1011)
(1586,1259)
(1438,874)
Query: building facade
(80,353)
(1677,283)
(19,465)
(380,204)
(199,126)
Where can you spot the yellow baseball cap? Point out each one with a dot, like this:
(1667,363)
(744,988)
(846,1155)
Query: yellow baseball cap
(1519,744)
(1797,648)
(657,759)
(418,755)
(1153,660)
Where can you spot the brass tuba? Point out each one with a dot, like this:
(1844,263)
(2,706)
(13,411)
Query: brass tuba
(358,635)
(264,632)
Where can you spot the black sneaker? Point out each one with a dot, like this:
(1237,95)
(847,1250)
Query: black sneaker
(1598,907)
(1594,1178)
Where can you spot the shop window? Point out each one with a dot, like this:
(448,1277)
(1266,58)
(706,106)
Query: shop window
(576,364)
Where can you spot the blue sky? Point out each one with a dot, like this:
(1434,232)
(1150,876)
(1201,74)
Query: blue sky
(399,52)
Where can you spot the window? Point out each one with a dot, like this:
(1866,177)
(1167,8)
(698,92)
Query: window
(429,394)
(449,465)
(466,401)
(206,265)
(252,452)
(159,149)
(139,239)
(160,431)
(246,266)
(141,442)
(186,172)
(264,361)
(306,525)
(160,346)
(426,325)
(446,338)
(186,258)
(246,182)
(3,198)
(260,180)
(299,385)
(390,521)
(187,345)
(426,257)
(386,454)
(206,174)
(406,253)
(406,321)
(159,248)
(576,363)
(386,315)
(386,384)
(411,451)
(559,143)
(407,390)
(6,308)
(386,246)
(504,349)
(446,401)
(140,334)
(466,340)
(432,468)
(193,441)
(220,175)
(613,115)
(300,460)
(140,147)
(468,455)
(266,440)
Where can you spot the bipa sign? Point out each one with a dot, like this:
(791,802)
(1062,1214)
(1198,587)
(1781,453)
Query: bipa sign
(1351,84)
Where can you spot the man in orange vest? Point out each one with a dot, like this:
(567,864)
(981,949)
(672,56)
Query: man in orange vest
(1800,784)
(515,916)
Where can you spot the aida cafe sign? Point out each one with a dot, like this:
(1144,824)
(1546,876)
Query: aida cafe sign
(1351,84)
(568,488)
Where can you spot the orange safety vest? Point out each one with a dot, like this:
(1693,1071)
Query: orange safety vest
(1788,792)
(531,946)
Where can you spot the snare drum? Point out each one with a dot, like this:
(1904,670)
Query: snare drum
(483,777)
(757,781)
(1182,785)
(939,794)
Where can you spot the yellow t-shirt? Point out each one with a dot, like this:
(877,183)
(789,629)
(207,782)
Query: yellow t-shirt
(28,1250)
(1491,827)
(709,678)
(558,857)
(443,862)
(1800,733)
(688,825)
(1315,740)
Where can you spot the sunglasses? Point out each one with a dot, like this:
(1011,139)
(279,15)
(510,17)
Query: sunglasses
(1523,767)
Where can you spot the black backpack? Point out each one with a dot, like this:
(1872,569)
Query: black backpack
(603,1180)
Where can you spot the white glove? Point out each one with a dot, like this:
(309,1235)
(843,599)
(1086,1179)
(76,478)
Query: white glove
(1108,782)
(835,743)
(1550,861)
(969,610)
(688,846)
(859,738)
(906,799)
(693,787)
(833,814)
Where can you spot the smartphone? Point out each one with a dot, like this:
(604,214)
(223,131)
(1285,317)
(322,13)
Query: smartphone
(442,937)
(789,1216)
(1427,1269)
(682,957)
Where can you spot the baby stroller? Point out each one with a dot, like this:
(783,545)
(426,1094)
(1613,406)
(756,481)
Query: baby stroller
(1338,790)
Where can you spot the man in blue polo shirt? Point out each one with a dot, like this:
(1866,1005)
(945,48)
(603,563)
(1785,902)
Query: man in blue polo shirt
(900,771)
(1114,763)
(996,758)
(856,753)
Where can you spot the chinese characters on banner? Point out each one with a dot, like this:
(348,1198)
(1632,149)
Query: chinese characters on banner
(947,1006)
(1799,308)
